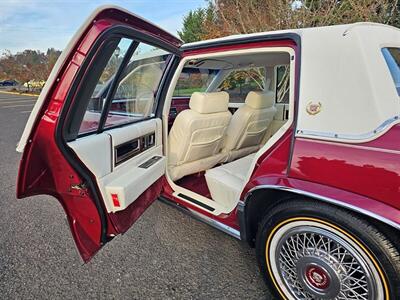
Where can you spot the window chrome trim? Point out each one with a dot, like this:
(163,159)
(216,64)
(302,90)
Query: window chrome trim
(324,199)
(356,137)
(393,66)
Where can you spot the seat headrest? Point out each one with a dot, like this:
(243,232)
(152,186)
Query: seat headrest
(259,100)
(208,103)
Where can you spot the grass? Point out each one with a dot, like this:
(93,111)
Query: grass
(188,91)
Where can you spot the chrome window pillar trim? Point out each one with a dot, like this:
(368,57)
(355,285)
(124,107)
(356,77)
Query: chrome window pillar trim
(324,199)
(362,136)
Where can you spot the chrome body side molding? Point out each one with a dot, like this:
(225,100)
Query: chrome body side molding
(350,137)
(324,199)
(218,225)
(200,217)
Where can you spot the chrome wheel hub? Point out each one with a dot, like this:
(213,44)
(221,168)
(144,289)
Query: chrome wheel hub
(316,263)
(318,277)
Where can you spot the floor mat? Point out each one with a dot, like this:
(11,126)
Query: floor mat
(195,183)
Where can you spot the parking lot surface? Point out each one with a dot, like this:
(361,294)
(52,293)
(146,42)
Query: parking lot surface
(165,255)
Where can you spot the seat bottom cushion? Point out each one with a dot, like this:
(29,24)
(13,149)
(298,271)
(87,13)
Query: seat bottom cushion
(226,182)
(193,167)
(233,155)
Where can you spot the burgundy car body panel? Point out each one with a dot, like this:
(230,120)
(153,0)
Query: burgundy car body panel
(338,197)
(369,169)
(272,164)
(360,177)
(43,167)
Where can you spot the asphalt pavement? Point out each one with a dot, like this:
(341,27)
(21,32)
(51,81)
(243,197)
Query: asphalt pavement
(165,255)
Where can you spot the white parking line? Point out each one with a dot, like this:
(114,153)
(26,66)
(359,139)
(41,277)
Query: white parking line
(11,106)
(16,101)
(16,98)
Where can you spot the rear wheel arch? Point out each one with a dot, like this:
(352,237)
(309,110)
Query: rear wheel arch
(252,211)
(260,201)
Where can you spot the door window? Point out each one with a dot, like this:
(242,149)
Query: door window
(91,119)
(134,98)
(126,88)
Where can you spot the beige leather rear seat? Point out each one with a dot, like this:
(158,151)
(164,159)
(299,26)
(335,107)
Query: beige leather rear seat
(196,137)
(249,125)
(226,182)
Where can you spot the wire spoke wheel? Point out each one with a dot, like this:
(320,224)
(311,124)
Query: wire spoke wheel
(312,260)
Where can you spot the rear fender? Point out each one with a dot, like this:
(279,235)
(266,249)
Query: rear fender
(267,192)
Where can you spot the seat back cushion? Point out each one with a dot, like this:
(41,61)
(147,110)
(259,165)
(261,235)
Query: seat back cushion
(198,133)
(250,122)
(195,136)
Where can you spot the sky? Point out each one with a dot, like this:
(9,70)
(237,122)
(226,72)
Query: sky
(43,24)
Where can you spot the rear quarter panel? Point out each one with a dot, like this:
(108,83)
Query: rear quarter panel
(369,169)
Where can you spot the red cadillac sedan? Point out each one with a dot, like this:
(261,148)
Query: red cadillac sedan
(287,140)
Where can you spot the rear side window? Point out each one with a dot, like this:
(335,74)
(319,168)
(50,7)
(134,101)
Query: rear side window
(282,84)
(392,58)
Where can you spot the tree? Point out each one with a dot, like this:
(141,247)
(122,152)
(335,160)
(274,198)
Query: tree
(193,24)
(17,66)
(28,65)
(52,56)
(321,13)
(226,17)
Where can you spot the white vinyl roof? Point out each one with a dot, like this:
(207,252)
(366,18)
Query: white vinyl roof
(343,68)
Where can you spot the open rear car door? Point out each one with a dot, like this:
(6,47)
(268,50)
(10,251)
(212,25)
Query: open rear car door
(94,137)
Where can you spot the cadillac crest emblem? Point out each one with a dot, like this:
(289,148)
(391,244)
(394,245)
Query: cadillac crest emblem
(313,108)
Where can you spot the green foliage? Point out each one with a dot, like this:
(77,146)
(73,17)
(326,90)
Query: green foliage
(193,28)
(396,18)
(194,23)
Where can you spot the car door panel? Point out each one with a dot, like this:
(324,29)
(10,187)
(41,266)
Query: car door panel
(127,188)
(122,183)
(129,180)
(99,164)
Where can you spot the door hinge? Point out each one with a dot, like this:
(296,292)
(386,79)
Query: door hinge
(79,186)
